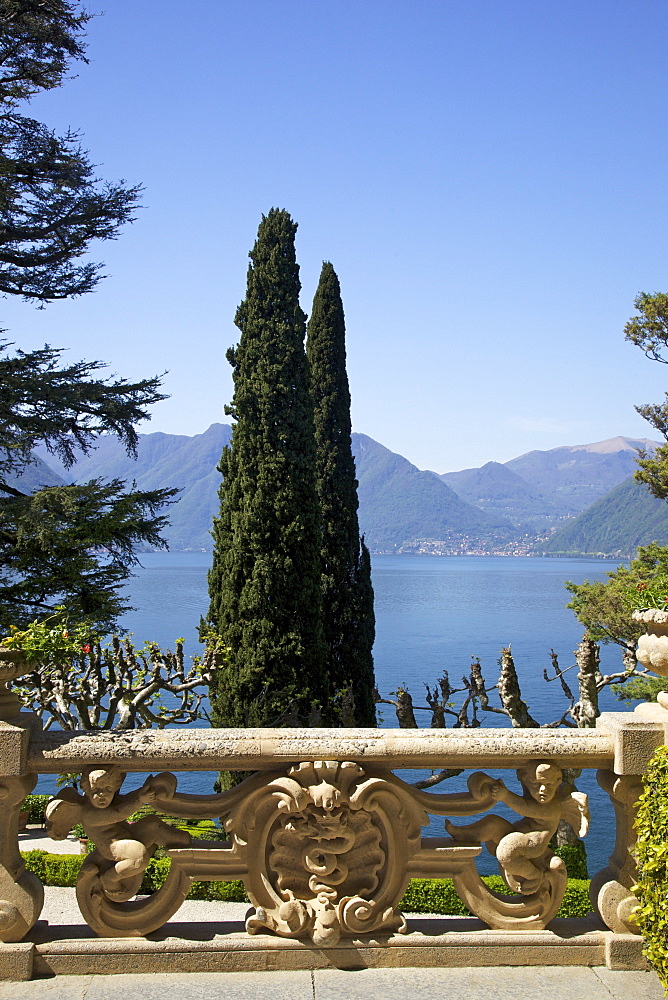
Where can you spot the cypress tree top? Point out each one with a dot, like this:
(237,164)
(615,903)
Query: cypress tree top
(348,617)
(265,580)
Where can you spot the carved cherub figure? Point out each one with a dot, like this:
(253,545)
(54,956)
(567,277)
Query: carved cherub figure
(522,848)
(103,810)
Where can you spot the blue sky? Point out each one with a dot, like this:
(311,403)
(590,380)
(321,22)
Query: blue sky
(487,178)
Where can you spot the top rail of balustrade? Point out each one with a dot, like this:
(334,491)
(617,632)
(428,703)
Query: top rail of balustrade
(262,749)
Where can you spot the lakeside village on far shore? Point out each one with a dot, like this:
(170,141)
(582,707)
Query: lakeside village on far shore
(464,546)
(526,548)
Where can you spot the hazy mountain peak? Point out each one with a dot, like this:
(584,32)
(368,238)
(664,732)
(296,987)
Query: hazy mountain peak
(614,444)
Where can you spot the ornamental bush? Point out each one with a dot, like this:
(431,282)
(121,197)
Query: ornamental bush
(652,860)
(421,896)
(574,857)
(36,806)
(426,895)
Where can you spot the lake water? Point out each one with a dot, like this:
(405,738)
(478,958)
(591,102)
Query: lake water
(432,613)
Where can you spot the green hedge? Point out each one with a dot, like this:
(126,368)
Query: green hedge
(652,860)
(422,895)
(54,869)
(36,804)
(439,896)
(575,858)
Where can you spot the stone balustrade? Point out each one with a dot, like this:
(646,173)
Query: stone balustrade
(325,836)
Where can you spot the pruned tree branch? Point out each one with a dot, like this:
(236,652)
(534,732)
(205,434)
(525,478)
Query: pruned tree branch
(120,687)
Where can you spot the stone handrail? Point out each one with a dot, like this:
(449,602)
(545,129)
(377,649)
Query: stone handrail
(324,835)
(254,749)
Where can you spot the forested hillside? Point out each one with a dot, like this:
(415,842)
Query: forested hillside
(626,517)
(402,507)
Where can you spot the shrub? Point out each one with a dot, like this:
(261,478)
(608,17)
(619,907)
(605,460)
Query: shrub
(652,859)
(36,804)
(576,901)
(421,896)
(439,896)
(63,869)
(575,858)
(54,869)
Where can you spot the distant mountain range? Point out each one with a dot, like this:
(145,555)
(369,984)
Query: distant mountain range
(401,507)
(626,517)
(582,491)
(187,463)
(540,488)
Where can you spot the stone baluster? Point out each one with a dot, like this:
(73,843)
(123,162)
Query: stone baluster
(21,892)
(610,890)
(635,737)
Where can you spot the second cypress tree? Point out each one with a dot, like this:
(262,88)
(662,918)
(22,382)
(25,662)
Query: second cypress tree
(347,593)
(264,583)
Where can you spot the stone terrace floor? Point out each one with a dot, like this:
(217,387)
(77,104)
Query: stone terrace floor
(549,982)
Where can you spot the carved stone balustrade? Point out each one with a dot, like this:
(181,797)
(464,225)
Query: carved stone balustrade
(326,837)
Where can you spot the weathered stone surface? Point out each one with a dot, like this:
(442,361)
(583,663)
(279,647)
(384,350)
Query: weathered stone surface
(112,874)
(21,892)
(523,848)
(249,749)
(624,951)
(528,983)
(16,961)
(325,838)
(651,711)
(325,848)
(652,648)
(251,953)
(610,889)
(634,739)
(477,983)
(13,749)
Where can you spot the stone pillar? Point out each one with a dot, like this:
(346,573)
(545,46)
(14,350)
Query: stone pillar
(610,890)
(635,737)
(21,892)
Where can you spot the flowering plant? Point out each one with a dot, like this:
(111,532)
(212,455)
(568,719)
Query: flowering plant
(51,641)
(640,595)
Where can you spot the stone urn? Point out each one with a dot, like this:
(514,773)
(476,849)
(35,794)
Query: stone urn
(13,664)
(652,648)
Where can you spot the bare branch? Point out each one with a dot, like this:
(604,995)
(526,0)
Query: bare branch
(119,687)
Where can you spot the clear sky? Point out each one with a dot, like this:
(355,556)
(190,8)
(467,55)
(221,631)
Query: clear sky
(487,177)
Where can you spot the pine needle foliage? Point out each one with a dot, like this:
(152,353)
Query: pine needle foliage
(61,544)
(347,592)
(264,583)
(52,204)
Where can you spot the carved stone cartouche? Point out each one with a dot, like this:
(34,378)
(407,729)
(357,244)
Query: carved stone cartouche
(330,846)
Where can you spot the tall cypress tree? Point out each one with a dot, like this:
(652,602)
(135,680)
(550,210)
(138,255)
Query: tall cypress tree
(264,583)
(347,593)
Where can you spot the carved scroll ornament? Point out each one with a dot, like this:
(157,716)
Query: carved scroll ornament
(112,874)
(325,850)
(330,846)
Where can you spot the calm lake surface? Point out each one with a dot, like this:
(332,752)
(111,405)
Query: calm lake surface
(432,613)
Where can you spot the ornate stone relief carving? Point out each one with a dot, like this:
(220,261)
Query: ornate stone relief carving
(522,849)
(330,845)
(113,872)
(325,850)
